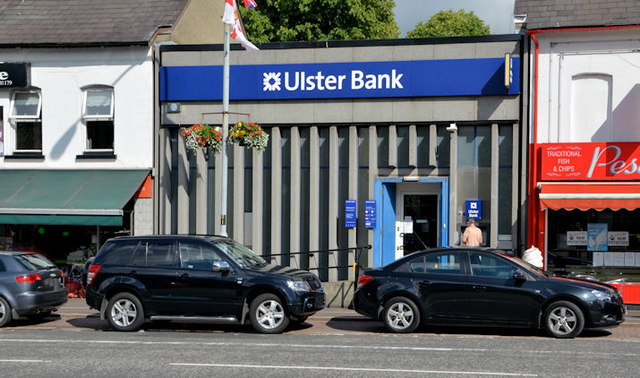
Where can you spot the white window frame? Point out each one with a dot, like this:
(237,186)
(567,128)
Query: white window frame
(93,118)
(28,117)
(105,117)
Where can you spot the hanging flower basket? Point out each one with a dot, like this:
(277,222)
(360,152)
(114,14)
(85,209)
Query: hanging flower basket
(249,134)
(209,138)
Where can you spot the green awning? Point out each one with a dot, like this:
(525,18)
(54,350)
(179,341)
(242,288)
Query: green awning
(67,197)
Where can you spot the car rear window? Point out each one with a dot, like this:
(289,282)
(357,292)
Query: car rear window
(33,261)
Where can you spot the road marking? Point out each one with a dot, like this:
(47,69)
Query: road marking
(26,361)
(284,367)
(322,346)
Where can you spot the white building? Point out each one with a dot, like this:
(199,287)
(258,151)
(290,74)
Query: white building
(77,116)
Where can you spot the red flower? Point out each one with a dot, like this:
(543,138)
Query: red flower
(259,132)
(218,139)
(207,136)
(197,138)
(188,132)
(251,134)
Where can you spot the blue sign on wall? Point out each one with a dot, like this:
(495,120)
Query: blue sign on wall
(597,238)
(370,214)
(350,211)
(415,78)
(473,208)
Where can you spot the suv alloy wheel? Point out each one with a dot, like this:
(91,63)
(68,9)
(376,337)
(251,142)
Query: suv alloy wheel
(267,314)
(125,312)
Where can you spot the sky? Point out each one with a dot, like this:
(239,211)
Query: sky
(498,14)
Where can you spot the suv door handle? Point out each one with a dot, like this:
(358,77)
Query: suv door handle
(479,287)
(133,273)
(183,275)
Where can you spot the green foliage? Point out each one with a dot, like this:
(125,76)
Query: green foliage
(319,20)
(450,24)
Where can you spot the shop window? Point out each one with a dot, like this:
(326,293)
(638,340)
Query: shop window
(98,118)
(26,115)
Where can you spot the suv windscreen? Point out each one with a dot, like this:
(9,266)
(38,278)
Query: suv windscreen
(32,261)
(240,254)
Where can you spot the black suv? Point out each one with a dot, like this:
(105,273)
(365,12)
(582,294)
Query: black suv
(197,278)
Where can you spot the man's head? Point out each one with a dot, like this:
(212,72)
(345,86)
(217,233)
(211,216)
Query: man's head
(471,221)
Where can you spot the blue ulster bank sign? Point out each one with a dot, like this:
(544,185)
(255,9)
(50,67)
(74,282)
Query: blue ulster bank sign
(415,78)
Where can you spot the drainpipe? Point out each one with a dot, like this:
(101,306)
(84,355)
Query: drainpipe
(534,222)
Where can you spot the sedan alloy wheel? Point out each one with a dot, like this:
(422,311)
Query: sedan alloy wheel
(401,315)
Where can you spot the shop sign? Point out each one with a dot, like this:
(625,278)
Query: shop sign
(415,78)
(576,238)
(14,75)
(370,214)
(590,161)
(473,208)
(618,238)
(350,209)
(597,240)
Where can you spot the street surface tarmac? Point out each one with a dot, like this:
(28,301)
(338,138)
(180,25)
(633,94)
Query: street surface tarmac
(75,315)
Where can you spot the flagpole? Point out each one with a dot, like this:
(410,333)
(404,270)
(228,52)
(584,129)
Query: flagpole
(225,131)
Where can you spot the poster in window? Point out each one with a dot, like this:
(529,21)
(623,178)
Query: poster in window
(618,238)
(637,258)
(598,258)
(597,237)
(630,259)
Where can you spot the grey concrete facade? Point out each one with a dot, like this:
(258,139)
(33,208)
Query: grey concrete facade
(290,197)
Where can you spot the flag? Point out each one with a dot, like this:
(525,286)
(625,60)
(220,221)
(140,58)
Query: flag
(232,17)
(250,3)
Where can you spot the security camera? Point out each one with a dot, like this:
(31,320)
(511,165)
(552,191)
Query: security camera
(452,127)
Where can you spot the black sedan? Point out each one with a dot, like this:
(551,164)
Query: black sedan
(483,287)
(31,286)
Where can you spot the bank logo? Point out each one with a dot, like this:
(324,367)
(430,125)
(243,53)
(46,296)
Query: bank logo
(271,81)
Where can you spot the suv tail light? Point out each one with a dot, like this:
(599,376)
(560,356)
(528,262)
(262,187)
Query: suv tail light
(28,278)
(363,280)
(91,274)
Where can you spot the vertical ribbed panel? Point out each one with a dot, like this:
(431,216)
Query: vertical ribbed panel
(164,186)
(218,193)
(373,174)
(453,187)
(353,195)
(257,202)
(495,171)
(413,149)
(201,193)
(238,193)
(314,197)
(183,188)
(294,192)
(333,200)
(393,148)
(433,145)
(515,168)
(276,193)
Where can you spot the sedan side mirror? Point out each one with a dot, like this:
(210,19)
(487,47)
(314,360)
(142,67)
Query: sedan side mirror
(221,266)
(518,275)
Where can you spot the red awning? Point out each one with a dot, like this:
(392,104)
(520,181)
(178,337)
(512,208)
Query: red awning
(589,195)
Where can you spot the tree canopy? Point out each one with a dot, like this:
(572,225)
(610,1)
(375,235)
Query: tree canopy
(320,20)
(450,24)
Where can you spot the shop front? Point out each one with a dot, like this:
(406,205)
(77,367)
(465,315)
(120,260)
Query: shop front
(380,143)
(589,197)
(67,214)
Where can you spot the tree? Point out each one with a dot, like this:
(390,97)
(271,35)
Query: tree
(320,20)
(450,24)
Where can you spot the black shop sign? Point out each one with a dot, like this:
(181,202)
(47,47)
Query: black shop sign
(14,75)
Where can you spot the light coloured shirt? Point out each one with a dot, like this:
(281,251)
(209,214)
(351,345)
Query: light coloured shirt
(472,236)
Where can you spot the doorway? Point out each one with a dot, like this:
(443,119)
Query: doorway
(418,210)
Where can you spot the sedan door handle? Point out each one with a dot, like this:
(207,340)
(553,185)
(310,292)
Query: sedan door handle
(479,287)
(183,275)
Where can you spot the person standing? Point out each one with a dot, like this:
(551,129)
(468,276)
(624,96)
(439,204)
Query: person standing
(472,236)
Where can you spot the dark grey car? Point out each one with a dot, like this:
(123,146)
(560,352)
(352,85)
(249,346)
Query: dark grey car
(31,286)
